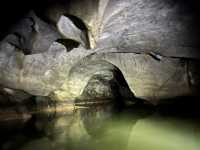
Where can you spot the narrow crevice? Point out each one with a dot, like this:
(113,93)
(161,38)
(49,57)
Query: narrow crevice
(68,43)
(79,23)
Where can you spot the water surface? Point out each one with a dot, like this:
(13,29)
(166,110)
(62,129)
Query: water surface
(100,127)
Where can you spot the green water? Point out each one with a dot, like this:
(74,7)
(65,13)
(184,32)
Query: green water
(136,127)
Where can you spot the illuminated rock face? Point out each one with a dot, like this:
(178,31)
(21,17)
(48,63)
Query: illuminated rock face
(109,49)
(169,28)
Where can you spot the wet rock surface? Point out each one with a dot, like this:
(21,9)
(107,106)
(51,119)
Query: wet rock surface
(154,44)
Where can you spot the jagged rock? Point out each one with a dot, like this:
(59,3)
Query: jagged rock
(65,75)
(21,73)
(148,41)
(32,35)
(92,15)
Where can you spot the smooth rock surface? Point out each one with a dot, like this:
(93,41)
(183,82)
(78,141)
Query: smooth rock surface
(69,31)
(153,43)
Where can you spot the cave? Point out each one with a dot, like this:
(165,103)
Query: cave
(99,74)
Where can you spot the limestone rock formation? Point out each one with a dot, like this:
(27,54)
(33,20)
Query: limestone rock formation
(153,44)
(168,28)
(32,35)
(69,31)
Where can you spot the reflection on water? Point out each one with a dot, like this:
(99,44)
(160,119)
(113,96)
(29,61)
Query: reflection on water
(97,127)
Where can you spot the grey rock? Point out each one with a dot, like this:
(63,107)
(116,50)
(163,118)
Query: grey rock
(37,74)
(69,31)
(144,26)
(91,15)
(152,42)
(32,35)
(101,81)
(168,28)
(65,75)
(149,78)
